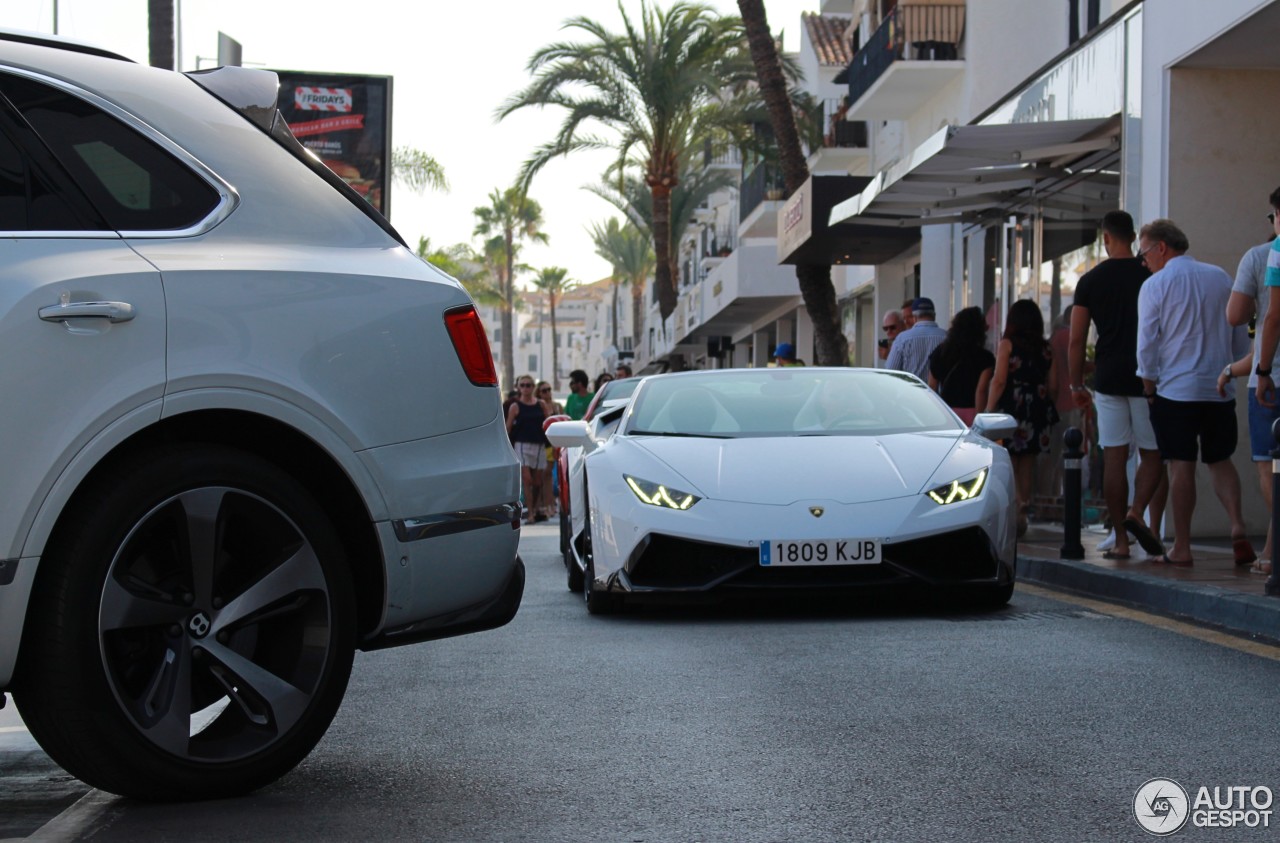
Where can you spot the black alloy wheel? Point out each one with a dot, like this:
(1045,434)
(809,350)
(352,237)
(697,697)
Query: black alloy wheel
(192,629)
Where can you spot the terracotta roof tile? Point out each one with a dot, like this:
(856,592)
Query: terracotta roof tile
(827,34)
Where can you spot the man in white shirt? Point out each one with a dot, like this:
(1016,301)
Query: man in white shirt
(1184,342)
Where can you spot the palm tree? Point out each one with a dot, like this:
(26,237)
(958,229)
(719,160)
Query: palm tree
(510,216)
(551,281)
(470,269)
(629,252)
(160,40)
(815,280)
(648,85)
(417,170)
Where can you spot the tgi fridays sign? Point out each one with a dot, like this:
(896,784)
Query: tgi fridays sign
(345,119)
(322,99)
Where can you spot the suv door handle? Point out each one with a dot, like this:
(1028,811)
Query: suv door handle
(116,311)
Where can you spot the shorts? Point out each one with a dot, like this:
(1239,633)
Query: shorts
(1261,442)
(1124,420)
(532,455)
(1179,424)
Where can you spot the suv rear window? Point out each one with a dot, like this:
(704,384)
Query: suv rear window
(134,183)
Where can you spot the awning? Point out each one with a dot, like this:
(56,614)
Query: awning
(804,235)
(1064,169)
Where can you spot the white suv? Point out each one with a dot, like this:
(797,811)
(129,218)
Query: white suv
(245,430)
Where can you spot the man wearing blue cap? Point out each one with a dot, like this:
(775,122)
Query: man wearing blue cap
(911,349)
(785,355)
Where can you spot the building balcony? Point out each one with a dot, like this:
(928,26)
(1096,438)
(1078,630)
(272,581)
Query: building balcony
(759,198)
(911,57)
(844,142)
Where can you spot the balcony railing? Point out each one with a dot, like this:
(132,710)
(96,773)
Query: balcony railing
(840,132)
(763,182)
(729,158)
(924,30)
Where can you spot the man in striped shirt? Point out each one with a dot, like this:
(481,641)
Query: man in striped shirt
(911,349)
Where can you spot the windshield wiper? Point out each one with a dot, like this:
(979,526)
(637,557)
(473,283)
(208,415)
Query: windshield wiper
(674,433)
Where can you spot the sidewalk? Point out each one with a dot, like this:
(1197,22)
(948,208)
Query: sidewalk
(1214,591)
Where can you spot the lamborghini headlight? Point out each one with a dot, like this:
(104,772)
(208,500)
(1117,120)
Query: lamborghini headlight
(656,494)
(959,490)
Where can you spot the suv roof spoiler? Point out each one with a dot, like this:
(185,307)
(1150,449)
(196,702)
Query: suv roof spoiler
(58,42)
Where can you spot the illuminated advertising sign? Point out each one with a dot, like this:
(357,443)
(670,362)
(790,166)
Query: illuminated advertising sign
(345,119)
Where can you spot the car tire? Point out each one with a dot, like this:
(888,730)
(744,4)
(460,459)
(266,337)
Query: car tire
(564,532)
(192,627)
(598,602)
(994,598)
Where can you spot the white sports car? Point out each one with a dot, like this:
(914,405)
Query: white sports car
(743,480)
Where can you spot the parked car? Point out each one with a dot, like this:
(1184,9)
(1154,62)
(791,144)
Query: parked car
(247,431)
(796,479)
(612,396)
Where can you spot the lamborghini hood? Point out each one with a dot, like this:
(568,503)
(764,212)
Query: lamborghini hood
(781,471)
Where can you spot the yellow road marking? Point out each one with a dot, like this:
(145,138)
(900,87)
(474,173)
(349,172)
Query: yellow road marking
(1222,639)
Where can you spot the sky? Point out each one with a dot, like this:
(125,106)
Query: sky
(453,64)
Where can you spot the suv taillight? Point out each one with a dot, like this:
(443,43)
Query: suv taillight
(467,333)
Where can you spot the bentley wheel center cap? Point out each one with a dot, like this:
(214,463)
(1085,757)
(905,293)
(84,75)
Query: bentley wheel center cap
(199,625)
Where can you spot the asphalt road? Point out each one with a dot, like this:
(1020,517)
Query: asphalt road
(777,723)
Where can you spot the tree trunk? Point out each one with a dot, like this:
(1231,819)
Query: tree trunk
(555,345)
(815,280)
(613,313)
(663,276)
(160,40)
(637,313)
(508,305)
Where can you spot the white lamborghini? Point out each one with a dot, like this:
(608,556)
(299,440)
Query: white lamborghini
(791,479)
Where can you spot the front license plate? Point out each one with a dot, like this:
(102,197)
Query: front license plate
(827,552)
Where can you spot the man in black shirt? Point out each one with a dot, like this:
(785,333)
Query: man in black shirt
(1108,295)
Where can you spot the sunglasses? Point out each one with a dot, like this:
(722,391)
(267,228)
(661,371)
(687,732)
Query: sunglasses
(525,385)
(546,389)
(890,328)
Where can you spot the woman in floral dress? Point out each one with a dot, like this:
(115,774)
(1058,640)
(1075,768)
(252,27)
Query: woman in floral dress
(1020,386)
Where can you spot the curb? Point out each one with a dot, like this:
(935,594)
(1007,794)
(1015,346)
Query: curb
(1245,614)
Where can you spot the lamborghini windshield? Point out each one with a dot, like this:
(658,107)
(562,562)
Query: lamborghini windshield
(730,403)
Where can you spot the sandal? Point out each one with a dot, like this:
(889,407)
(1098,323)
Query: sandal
(1163,559)
(1243,551)
(1261,566)
(1146,539)
(1111,554)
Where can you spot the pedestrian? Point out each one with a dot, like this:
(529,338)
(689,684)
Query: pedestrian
(575,406)
(623,371)
(1184,343)
(784,354)
(892,326)
(602,379)
(524,426)
(547,506)
(1250,302)
(1107,295)
(908,314)
(911,349)
(960,368)
(1020,387)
